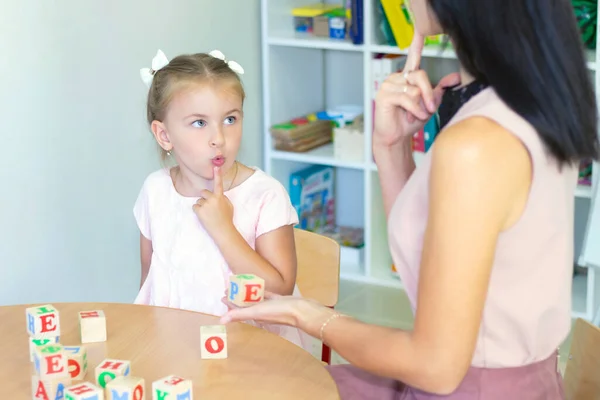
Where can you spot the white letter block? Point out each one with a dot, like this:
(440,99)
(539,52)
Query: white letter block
(50,361)
(246,289)
(92,325)
(42,322)
(33,343)
(49,388)
(77,362)
(127,388)
(213,341)
(84,391)
(172,387)
(109,369)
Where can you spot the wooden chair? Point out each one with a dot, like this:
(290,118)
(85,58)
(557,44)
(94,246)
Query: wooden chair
(318,275)
(582,372)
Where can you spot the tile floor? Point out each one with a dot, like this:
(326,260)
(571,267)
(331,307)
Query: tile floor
(384,306)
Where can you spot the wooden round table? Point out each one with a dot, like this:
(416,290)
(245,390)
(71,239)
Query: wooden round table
(161,341)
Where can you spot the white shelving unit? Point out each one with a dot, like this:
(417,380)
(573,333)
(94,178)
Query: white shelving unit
(303,74)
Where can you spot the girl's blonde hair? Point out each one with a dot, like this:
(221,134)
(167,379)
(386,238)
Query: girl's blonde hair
(184,70)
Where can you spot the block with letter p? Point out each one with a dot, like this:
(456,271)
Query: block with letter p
(172,387)
(50,361)
(246,289)
(109,369)
(92,326)
(42,322)
(126,388)
(213,341)
(84,391)
(76,361)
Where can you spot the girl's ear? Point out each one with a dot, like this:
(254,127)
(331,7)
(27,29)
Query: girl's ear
(160,134)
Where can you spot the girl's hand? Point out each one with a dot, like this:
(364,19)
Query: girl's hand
(406,100)
(213,209)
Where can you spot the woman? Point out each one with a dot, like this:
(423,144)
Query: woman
(482,232)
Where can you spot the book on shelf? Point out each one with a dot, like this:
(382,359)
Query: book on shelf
(312,193)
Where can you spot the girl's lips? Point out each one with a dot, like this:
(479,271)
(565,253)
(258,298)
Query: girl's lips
(218,161)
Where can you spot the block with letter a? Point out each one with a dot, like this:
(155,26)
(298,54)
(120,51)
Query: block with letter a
(50,361)
(92,325)
(125,388)
(213,341)
(84,391)
(49,388)
(246,289)
(42,322)
(109,369)
(172,387)
(76,361)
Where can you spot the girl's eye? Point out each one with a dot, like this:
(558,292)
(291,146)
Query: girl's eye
(199,123)
(230,120)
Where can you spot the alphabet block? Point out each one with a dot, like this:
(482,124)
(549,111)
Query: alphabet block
(42,322)
(50,361)
(213,341)
(246,289)
(125,388)
(84,391)
(33,343)
(172,387)
(49,389)
(76,362)
(92,325)
(109,369)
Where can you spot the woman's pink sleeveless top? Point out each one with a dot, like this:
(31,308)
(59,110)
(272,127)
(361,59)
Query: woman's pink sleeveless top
(527,310)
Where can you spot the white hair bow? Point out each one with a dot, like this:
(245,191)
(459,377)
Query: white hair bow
(232,64)
(159,61)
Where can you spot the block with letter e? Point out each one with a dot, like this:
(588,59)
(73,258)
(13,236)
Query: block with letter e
(84,391)
(172,387)
(50,361)
(42,322)
(246,289)
(109,369)
(33,343)
(92,326)
(213,341)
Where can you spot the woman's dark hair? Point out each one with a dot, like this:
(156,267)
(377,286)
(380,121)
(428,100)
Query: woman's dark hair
(531,53)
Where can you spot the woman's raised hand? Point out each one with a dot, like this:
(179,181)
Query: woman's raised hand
(406,100)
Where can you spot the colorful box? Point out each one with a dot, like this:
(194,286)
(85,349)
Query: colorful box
(312,195)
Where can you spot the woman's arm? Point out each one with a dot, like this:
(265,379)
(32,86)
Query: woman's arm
(146,257)
(395,164)
(274,259)
(479,183)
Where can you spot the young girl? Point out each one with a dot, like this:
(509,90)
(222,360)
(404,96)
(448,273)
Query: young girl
(209,216)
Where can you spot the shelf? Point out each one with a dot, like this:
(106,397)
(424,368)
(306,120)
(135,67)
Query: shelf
(306,41)
(583,192)
(322,155)
(357,277)
(433,51)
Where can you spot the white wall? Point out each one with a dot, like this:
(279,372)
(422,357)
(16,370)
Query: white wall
(75,146)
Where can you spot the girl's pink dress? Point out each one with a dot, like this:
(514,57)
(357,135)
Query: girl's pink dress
(187,270)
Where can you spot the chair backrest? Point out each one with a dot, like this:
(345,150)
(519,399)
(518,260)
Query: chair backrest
(582,372)
(318,275)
